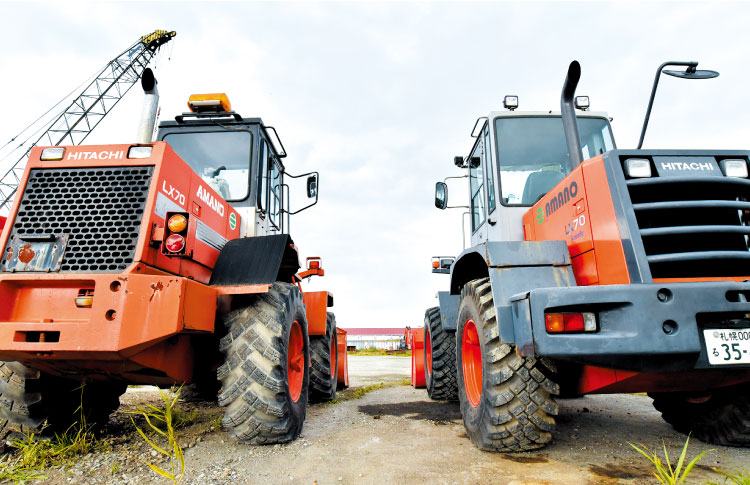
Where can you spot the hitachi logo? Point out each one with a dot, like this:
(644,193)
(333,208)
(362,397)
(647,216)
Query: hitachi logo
(103,155)
(209,199)
(687,166)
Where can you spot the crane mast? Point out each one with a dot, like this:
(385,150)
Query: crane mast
(85,112)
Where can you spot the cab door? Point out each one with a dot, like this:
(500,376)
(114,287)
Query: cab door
(269,212)
(482,197)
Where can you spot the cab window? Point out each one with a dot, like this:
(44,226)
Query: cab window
(476,184)
(275,198)
(263,176)
(489,164)
(533,156)
(222,159)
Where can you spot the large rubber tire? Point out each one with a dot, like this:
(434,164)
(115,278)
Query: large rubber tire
(324,363)
(719,417)
(265,374)
(35,402)
(507,401)
(439,358)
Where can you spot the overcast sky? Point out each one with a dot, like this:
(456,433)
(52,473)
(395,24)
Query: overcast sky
(379,97)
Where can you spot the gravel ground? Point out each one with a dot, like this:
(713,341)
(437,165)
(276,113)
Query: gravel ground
(398,435)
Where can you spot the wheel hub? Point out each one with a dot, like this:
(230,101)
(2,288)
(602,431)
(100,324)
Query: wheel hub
(471,362)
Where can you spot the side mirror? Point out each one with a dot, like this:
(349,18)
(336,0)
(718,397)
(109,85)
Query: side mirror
(441,195)
(312,186)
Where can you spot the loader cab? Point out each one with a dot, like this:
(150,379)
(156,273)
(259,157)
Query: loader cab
(516,159)
(240,158)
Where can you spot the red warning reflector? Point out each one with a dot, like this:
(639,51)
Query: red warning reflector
(175,243)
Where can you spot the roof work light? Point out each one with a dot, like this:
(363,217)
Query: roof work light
(510,102)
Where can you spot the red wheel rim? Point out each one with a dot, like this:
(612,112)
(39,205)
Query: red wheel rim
(471,362)
(428,351)
(295,361)
(333,356)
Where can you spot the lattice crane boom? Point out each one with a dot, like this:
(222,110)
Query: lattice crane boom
(85,112)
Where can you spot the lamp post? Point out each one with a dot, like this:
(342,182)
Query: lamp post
(689,73)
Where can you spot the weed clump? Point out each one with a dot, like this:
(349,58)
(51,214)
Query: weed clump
(663,470)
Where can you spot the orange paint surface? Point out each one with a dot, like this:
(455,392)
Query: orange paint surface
(580,212)
(316,303)
(343,360)
(417,358)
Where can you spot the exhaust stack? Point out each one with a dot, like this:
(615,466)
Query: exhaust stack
(150,107)
(570,124)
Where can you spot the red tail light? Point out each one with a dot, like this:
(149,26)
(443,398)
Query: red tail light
(175,243)
(570,322)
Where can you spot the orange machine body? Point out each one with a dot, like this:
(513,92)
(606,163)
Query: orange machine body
(580,210)
(146,318)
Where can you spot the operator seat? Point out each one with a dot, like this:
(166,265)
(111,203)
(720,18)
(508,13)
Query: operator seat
(538,184)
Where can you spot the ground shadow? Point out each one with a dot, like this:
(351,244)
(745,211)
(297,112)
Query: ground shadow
(435,411)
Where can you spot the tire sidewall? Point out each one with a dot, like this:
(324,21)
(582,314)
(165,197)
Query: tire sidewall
(296,312)
(472,416)
(427,366)
(333,341)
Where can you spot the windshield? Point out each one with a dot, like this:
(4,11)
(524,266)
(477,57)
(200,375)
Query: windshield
(533,156)
(222,159)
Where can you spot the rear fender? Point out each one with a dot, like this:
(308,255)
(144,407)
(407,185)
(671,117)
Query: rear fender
(260,260)
(514,268)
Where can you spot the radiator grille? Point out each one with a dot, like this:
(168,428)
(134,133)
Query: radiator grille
(693,226)
(99,208)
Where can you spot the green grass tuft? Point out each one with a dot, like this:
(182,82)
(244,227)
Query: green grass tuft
(663,470)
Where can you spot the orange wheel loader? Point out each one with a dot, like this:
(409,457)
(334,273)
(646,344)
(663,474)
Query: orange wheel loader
(594,269)
(164,263)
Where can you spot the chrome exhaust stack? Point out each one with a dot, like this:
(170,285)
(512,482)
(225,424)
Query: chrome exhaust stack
(150,107)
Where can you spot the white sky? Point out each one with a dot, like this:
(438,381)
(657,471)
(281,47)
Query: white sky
(379,97)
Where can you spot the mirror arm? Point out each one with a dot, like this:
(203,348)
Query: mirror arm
(317,191)
(653,94)
(456,177)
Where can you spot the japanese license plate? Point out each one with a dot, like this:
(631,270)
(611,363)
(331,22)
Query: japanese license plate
(727,346)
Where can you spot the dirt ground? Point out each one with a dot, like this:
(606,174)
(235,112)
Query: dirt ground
(397,435)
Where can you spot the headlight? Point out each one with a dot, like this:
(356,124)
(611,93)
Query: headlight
(734,168)
(52,154)
(637,168)
(139,152)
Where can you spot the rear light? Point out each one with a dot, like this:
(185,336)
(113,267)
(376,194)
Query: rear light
(734,168)
(85,298)
(177,223)
(52,154)
(176,233)
(314,264)
(637,168)
(139,152)
(175,243)
(570,322)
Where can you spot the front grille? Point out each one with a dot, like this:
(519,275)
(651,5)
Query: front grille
(99,209)
(693,226)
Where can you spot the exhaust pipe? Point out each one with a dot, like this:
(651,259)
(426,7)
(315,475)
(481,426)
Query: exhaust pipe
(570,125)
(150,107)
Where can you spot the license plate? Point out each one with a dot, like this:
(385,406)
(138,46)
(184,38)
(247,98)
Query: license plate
(727,346)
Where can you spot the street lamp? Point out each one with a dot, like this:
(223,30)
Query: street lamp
(689,73)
